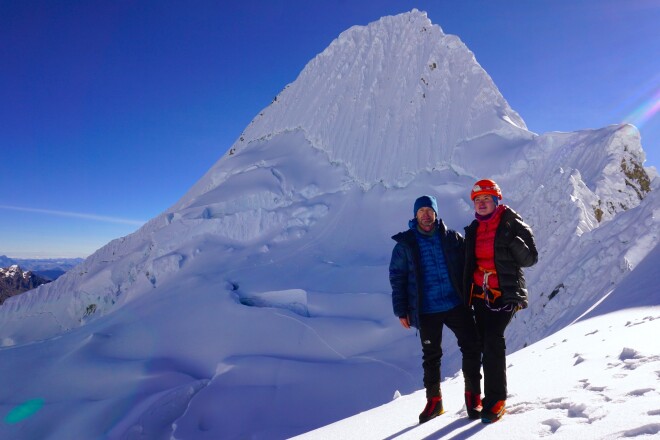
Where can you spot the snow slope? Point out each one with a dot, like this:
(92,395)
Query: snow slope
(594,379)
(259,305)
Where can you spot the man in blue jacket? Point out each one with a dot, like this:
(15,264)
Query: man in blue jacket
(426,274)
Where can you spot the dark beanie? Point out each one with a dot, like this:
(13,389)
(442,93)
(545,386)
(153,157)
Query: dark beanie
(425,201)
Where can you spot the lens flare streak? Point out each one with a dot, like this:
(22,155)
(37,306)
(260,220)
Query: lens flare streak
(646,111)
(24,411)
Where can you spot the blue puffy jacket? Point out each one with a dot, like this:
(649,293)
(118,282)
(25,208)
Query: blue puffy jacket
(406,276)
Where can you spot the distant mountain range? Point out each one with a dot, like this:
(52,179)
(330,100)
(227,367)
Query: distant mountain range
(48,268)
(13,280)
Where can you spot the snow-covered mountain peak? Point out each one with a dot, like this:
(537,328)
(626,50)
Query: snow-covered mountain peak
(384,101)
(12,271)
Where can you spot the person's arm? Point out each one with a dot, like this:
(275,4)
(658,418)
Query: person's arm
(399,283)
(523,247)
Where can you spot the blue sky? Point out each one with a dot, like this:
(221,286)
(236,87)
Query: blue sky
(111,110)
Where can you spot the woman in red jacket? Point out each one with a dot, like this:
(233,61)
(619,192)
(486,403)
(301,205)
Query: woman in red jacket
(498,245)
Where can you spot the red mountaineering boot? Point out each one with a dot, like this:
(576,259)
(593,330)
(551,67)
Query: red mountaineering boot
(433,409)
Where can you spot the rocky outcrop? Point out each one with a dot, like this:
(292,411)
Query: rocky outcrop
(13,280)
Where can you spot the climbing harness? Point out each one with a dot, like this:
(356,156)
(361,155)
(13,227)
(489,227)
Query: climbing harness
(490,295)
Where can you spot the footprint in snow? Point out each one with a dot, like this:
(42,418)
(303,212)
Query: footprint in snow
(650,429)
(640,392)
(642,321)
(553,424)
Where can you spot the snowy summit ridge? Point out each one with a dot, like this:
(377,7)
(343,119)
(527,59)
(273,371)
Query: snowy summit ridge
(265,287)
(387,100)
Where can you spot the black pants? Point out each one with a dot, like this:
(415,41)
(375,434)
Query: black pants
(461,323)
(491,326)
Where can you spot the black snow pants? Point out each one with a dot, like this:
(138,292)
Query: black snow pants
(491,325)
(461,322)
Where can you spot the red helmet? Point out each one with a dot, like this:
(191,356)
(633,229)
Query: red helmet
(486,186)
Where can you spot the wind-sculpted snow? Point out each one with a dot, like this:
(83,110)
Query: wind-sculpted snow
(583,253)
(259,304)
(387,100)
(576,272)
(269,199)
